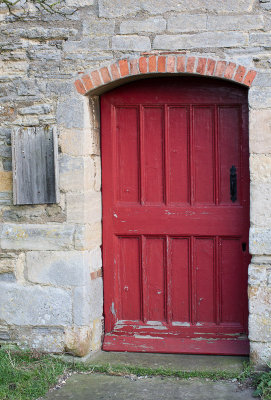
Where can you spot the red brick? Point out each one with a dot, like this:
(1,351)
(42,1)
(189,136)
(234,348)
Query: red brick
(181,64)
(105,74)
(249,78)
(152,64)
(80,87)
(220,68)
(96,274)
(115,71)
(124,68)
(210,66)
(228,74)
(201,65)
(143,67)
(96,78)
(190,65)
(134,67)
(161,64)
(171,64)
(240,73)
(87,82)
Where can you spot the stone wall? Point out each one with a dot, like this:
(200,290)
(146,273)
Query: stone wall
(50,262)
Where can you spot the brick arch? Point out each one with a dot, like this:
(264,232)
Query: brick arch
(163,64)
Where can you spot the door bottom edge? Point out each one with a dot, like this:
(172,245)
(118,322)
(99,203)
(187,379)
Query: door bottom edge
(145,344)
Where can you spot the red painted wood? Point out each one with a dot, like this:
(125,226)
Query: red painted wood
(175,272)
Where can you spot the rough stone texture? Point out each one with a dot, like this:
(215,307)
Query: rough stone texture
(48,251)
(58,268)
(35,305)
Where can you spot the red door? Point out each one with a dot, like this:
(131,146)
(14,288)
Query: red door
(175,186)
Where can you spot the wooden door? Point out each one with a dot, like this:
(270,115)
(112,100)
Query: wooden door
(175,187)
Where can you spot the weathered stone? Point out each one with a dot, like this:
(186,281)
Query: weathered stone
(263,79)
(79,3)
(5,198)
(260,131)
(260,204)
(88,237)
(187,23)
(5,181)
(95,26)
(36,109)
(83,207)
(40,32)
(72,112)
(260,300)
(257,275)
(37,237)
(152,24)
(259,328)
(136,43)
(76,173)
(48,340)
(88,302)
(75,142)
(260,39)
(95,259)
(260,354)
(58,268)
(235,22)
(78,340)
(260,241)
(111,9)
(87,44)
(260,168)
(259,97)
(37,305)
(97,333)
(7,277)
(204,39)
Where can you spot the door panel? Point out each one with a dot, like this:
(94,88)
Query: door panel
(175,264)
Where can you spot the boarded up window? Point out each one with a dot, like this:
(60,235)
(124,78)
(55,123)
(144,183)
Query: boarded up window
(34,160)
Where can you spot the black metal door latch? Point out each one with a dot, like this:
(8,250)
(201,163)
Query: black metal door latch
(233,183)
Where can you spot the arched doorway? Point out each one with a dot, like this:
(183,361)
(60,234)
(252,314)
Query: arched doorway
(175,186)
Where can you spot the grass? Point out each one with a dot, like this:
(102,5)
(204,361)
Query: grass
(26,375)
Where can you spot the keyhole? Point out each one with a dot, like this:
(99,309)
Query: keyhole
(244,246)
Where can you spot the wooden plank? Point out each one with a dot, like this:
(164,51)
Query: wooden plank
(35,170)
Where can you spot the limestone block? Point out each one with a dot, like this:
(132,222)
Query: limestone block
(40,32)
(87,44)
(88,236)
(131,42)
(35,305)
(260,131)
(48,340)
(260,354)
(260,168)
(72,112)
(98,26)
(5,181)
(36,109)
(259,328)
(152,24)
(115,8)
(257,275)
(59,268)
(235,22)
(203,39)
(76,173)
(260,208)
(84,207)
(88,302)
(187,23)
(75,142)
(78,340)
(260,300)
(262,79)
(5,198)
(259,97)
(260,241)
(7,263)
(97,333)
(260,39)
(229,6)
(37,237)
(95,259)
(79,3)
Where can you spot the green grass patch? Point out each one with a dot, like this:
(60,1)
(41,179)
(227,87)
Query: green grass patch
(26,375)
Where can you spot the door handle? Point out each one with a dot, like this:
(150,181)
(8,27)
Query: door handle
(233,183)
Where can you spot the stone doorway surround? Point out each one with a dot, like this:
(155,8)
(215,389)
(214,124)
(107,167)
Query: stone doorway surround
(96,82)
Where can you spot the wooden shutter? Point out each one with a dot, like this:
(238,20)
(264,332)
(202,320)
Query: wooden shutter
(34,160)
